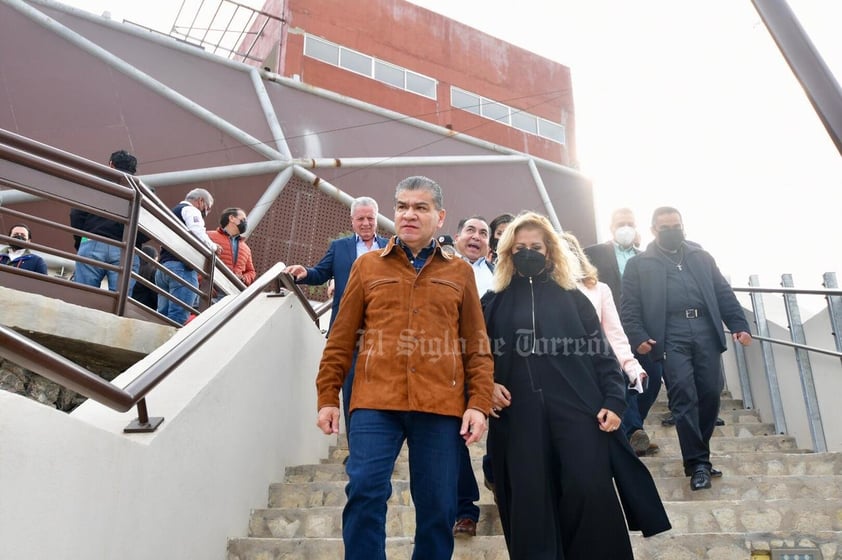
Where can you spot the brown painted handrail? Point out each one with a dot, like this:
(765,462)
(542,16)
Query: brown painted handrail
(43,361)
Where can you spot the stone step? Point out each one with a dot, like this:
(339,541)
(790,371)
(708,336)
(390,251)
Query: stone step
(669,446)
(667,546)
(773,463)
(735,416)
(332,493)
(803,515)
(660,406)
(732,418)
(657,431)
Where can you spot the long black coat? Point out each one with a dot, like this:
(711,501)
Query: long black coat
(568,314)
(644,304)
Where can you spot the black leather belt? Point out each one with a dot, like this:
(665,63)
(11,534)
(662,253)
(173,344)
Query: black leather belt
(692,313)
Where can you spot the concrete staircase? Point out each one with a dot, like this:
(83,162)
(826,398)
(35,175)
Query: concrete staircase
(772,496)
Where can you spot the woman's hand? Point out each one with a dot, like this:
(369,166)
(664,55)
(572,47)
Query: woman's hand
(608,420)
(500,399)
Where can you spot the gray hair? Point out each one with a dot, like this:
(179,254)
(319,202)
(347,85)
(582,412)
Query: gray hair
(200,194)
(365,201)
(419,182)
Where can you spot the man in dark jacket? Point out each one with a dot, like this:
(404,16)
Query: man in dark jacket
(610,260)
(100,250)
(21,257)
(675,300)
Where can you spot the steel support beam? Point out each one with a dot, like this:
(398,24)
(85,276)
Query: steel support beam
(806,63)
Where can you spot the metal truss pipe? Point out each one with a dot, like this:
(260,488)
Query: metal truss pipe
(269,113)
(417,123)
(403,161)
(306,175)
(148,81)
(272,192)
(213,173)
(545,196)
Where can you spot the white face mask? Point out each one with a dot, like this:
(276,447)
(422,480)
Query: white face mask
(624,236)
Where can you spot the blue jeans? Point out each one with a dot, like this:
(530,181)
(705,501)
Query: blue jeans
(638,404)
(92,275)
(176,312)
(375,442)
(467,492)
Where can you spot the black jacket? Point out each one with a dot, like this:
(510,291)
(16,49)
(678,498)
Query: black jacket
(644,305)
(603,257)
(98,225)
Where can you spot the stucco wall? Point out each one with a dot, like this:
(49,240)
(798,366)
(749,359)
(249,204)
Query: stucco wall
(236,414)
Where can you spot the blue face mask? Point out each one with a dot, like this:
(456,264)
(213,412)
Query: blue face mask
(529,262)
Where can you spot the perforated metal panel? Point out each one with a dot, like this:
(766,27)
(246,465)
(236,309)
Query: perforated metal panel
(298,228)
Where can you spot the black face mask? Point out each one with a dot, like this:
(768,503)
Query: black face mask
(529,262)
(671,239)
(17,247)
(241,227)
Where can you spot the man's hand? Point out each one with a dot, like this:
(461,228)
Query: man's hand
(646,347)
(500,398)
(331,288)
(329,419)
(473,425)
(296,270)
(742,337)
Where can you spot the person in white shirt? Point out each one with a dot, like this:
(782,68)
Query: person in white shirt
(471,243)
(192,211)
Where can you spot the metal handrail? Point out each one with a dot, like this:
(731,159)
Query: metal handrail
(798,343)
(43,361)
(34,168)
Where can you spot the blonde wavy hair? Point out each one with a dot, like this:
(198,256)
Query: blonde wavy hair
(590,276)
(564,268)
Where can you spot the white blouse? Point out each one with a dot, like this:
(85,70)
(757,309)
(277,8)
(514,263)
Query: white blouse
(603,301)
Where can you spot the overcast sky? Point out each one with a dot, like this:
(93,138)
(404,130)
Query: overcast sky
(679,103)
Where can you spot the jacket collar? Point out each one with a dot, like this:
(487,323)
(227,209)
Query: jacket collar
(394,241)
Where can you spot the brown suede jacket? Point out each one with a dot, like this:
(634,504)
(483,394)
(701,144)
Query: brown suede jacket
(422,339)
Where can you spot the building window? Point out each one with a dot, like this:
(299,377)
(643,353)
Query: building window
(552,131)
(370,67)
(422,85)
(525,121)
(495,111)
(355,62)
(516,118)
(322,50)
(389,74)
(461,99)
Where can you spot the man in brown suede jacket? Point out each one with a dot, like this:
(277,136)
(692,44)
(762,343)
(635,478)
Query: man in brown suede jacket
(415,313)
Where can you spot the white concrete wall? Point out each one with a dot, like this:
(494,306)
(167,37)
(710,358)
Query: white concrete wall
(827,377)
(236,414)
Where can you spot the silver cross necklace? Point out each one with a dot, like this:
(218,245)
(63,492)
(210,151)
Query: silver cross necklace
(680,259)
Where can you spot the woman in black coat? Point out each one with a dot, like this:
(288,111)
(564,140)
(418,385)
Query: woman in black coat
(559,397)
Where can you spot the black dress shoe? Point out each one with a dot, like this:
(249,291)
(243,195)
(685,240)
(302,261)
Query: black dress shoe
(720,421)
(700,479)
(668,420)
(715,473)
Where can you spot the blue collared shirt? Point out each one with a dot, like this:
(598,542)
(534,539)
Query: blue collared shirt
(418,260)
(623,256)
(362,248)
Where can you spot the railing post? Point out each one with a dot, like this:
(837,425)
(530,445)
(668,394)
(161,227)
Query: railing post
(834,307)
(768,357)
(742,372)
(143,423)
(805,369)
